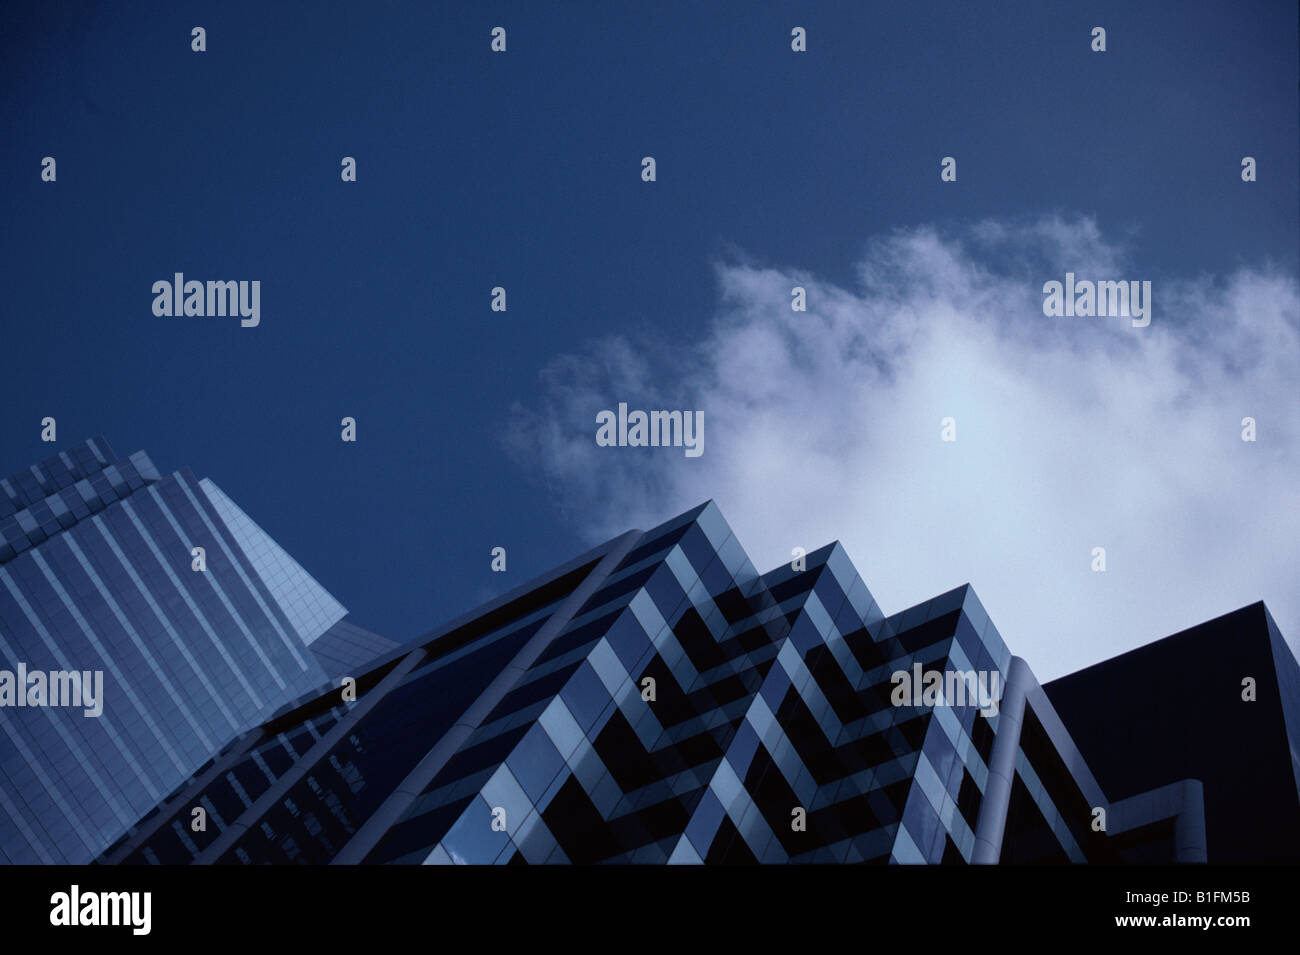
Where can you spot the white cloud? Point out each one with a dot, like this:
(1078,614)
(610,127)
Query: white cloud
(1071,433)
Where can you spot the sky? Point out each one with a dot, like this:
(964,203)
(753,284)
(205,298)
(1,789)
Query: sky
(522,169)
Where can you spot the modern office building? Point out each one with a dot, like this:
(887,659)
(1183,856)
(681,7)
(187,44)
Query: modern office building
(657,700)
(161,603)
(1219,702)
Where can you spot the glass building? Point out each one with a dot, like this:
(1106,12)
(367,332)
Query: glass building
(197,623)
(657,700)
(1189,692)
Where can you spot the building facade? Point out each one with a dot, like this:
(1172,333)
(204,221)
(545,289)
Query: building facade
(658,700)
(1219,702)
(191,622)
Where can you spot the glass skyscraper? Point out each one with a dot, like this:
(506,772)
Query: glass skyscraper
(197,623)
(658,700)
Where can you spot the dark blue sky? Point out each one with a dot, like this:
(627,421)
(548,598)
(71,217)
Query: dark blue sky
(523,170)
